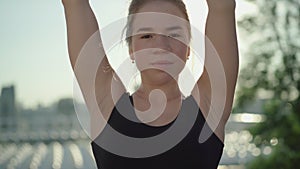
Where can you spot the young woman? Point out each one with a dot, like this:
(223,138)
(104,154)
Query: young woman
(158,35)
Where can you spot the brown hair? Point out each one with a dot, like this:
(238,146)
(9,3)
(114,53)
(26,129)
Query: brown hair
(135,5)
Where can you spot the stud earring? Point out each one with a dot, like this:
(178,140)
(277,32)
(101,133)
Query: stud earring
(132,61)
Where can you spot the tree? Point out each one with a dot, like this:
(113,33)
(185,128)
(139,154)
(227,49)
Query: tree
(65,106)
(273,71)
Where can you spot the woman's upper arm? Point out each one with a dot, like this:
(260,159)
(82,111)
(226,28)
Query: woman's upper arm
(81,25)
(88,58)
(217,83)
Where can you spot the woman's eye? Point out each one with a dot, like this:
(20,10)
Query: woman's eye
(174,35)
(146,36)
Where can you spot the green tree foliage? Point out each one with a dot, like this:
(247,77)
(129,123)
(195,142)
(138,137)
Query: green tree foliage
(273,71)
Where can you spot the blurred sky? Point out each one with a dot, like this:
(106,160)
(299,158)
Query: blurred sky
(33,45)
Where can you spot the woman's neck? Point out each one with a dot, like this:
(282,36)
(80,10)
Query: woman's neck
(170,89)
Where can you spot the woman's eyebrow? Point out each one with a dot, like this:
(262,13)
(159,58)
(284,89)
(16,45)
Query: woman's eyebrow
(150,29)
(174,28)
(145,29)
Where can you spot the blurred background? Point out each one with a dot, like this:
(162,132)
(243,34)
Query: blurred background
(38,124)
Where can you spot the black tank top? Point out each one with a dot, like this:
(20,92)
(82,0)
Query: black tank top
(181,137)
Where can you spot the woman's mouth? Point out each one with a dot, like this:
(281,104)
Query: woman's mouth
(162,63)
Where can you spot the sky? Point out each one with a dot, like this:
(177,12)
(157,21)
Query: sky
(33,44)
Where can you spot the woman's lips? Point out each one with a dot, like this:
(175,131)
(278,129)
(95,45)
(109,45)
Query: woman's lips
(162,63)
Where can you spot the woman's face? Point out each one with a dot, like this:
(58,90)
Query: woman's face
(160,42)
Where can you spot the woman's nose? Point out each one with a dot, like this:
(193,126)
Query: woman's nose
(162,42)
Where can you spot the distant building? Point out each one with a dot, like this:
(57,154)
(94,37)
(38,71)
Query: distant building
(8,102)
(65,106)
(57,121)
(8,112)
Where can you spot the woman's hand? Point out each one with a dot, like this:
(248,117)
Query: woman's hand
(221,5)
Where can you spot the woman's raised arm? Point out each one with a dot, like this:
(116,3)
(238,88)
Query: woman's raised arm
(218,81)
(89,62)
(81,25)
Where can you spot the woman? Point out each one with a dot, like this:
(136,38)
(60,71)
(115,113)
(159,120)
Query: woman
(160,49)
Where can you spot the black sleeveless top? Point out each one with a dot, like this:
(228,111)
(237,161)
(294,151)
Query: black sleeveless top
(126,143)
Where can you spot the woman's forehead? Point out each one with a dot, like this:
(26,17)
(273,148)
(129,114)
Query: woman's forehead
(152,21)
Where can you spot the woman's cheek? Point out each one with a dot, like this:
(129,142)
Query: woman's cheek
(143,58)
